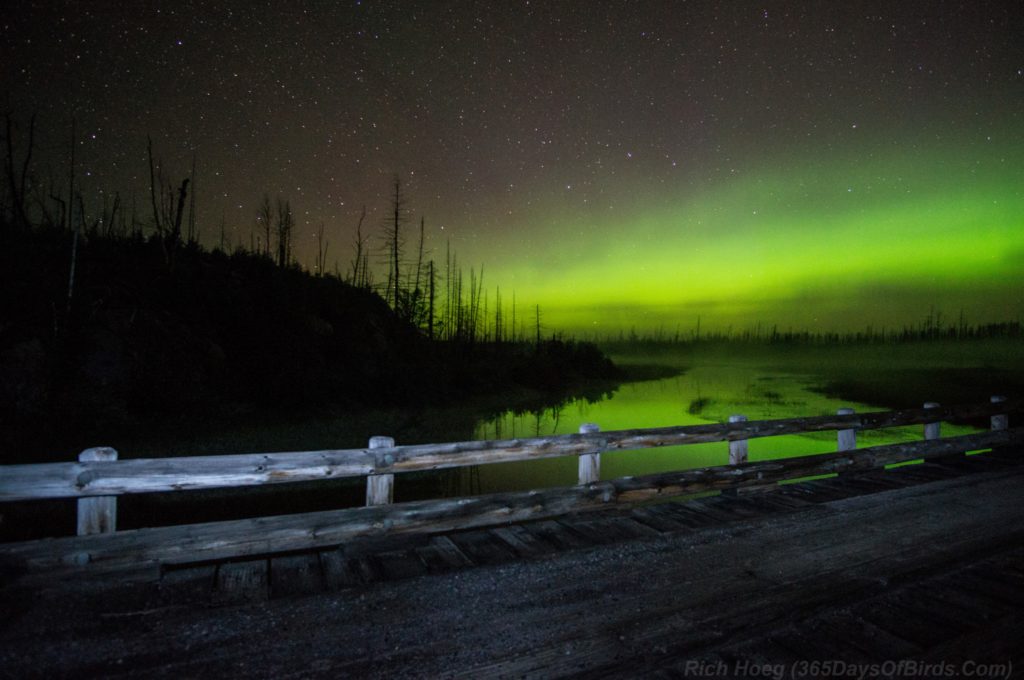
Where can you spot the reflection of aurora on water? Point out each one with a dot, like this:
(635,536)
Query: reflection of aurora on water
(720,390)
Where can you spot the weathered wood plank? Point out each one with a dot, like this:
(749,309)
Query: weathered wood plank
(380,489)
(858,642)
(242,581)
(976,608)
(664,628)
(924,473)
(739,507)
(296,575)
(989,462)
(483,548)
(372,545)
(689,514)
(999,421)
(449,552)
(846,440)
(636,527)
(397,564)
(145,475)
(764,653)
(338,570)
(624,528)
(979,463)
(658,521)
(817,644)
(922,606)
(595,533)
(999,643)
(737,447)
(1007,454)
(863,487)
(782,501)
(366,568)
(701,596)
(712,510)
(825,491)
(589,467)
(998,588)
(189,584)
(932,428)
(880,479)
(433,559)
(97,515)
(522,541)
(557,533)
(884,644)
(266,535)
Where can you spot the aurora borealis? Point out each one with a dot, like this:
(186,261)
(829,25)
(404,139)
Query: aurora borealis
(621,164)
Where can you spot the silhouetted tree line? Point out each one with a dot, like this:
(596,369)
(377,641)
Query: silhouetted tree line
(442,299)
(931,328)
(112,312)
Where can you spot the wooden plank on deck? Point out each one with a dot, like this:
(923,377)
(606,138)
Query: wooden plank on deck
(449,553)
(712,509)
(710,593)
(522,541)
(244,581)
(339,571)
(688,513)
(194,583)
(998,587)
(483,548)
(557,534)
(884,644)
(296,575)
(398,564)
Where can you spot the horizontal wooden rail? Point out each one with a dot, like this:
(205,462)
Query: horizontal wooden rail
(147,475)
(266,535)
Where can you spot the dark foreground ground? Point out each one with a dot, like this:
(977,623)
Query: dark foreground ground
(914,572)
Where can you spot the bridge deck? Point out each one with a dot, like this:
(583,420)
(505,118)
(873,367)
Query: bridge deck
(923,562)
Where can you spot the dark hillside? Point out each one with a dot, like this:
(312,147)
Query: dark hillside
(147,335)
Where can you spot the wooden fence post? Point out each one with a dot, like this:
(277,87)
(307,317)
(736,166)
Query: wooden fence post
(1001,420)
(932,430)
(380,489)
(738,447)
(98,514)
(846,439)
(590,463)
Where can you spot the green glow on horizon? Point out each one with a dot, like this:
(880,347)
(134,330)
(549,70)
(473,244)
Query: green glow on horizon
(818,244)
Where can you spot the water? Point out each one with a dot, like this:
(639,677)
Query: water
(707,393)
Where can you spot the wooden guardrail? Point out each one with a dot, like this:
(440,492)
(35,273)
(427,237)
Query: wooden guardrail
(97,478)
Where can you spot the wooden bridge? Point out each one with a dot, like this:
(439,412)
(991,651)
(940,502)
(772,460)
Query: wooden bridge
(908,571)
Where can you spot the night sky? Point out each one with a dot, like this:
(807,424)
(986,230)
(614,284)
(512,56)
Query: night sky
(826,165)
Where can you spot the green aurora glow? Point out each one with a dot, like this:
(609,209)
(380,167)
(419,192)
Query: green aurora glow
(867,238)
(826,166)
